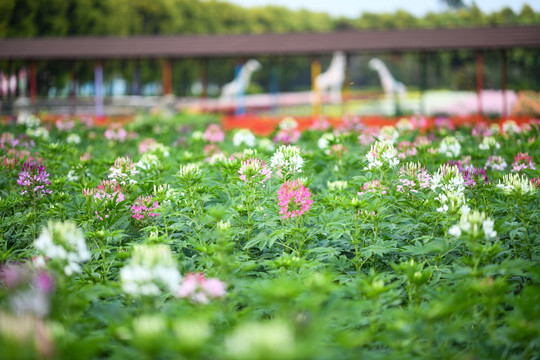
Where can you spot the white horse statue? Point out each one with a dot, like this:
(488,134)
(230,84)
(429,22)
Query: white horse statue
(241,82)
(390,85)
(334,77)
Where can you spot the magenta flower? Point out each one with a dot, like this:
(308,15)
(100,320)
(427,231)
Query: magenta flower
(254,171)
(294,199)
(444,124)
(287,136)
(482,129)
(214,134)
(199,289)
(8,140)
(373,186)
(473,176)
(144,208)
(34,179)
(522,161)
(28,288)
(536,182)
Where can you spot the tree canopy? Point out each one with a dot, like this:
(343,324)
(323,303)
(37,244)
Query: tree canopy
(22,18)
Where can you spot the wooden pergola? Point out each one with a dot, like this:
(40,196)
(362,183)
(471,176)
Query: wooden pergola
(168,47)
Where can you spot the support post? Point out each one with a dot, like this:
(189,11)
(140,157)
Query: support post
(316,93)
(240,99)
(203,71)
(166,70)
(274,84)
(98,85)
(33,83)
(479,79)
(136,87)
(346,91)
(73,90)
(423,79)
(504,112)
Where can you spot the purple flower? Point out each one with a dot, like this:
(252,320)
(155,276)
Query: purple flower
(43,281)
(28,289)
(34,179)
(473,176)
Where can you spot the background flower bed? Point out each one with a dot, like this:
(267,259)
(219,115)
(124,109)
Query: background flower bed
(373,267)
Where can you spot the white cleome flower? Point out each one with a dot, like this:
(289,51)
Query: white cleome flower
(381,153)
(514,184)
(287,159)
(151,271)
(244,137)
(64,242)
(475,225)
(488,143)
(149,163)
(73,139)
(450,147)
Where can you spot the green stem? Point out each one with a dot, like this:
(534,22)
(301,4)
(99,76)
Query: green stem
(355,243)
(285,245)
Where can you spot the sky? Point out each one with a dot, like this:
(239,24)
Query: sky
(353,8)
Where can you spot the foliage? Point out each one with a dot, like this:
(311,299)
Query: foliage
(363,271)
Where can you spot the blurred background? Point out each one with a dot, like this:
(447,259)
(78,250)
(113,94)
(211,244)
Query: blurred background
(132,85)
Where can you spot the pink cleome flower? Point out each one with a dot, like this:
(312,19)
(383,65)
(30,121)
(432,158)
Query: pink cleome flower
(146,144)
(406,148)
(116,132)
(9,163)
(482,129)
(294,199)
(522,161)
(214,134)
(254,171)
(199,289)
(413,177)
(287,136)
(320,123)
(373,186)
(65,124)
(109,194)
(211,149)
(337,150)
(495,163)
(144,207)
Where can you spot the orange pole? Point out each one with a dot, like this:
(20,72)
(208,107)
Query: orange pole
(167,77)
(317,96)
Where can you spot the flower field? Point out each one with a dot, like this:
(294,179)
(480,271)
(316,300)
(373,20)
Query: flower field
(168,238)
